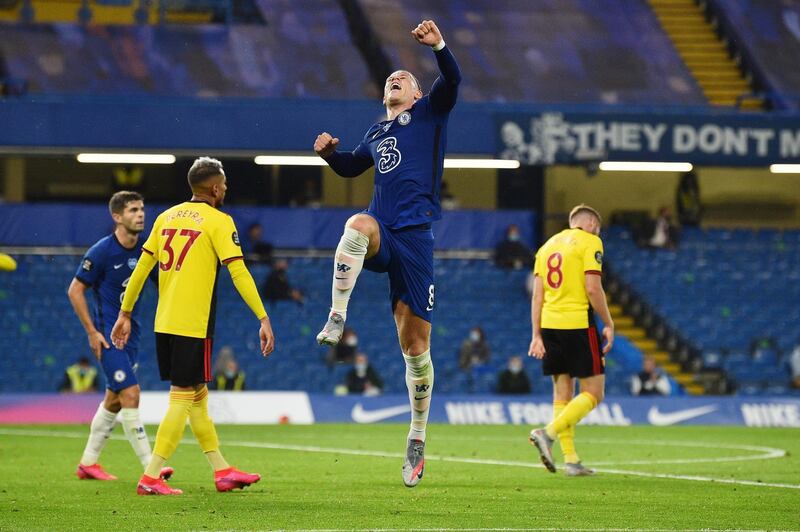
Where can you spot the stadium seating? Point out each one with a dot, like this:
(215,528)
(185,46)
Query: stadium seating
(767,35)
(198,61)
(566,51)
(576,51)
(733,293)
(42,336)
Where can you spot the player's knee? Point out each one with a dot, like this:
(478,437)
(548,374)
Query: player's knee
(598,394)
(112,404)
(129,397)
(363,224)
(416,347)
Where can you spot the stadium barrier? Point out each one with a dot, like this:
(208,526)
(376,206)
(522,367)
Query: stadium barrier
(254,126)
(81,225)
(303,408)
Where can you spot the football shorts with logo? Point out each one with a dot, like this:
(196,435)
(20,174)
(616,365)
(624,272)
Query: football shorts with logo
(407,256)
(119,365)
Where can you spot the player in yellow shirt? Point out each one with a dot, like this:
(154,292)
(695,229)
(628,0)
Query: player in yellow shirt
(188,242)
(567,288)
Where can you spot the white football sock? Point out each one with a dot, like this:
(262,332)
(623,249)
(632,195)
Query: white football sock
(101,428)
(134,431)
(349,260)
(419,381)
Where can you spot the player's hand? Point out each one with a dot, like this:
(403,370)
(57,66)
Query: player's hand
(267,338)
(536,349)
(608,334)
(97,342)
(427,33)
(325,144)
(121,331)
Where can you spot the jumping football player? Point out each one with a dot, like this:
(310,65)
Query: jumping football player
(394,234)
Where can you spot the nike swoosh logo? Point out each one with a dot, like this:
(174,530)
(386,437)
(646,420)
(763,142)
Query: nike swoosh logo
(341,278)
(117,266)
(421,398)
(662,419)
(429,309)
(360,415)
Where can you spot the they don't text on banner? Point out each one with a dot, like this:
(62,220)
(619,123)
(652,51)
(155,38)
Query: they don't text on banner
(552,137)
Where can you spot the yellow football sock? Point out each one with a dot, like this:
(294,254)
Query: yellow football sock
(572,414)
(153,469)
(204,430)
(170,431)
(566,438)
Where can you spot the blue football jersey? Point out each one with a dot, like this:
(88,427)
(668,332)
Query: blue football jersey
(408,154)
(106,268)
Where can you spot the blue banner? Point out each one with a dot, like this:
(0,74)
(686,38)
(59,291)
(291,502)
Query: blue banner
(741,139)
(65,224)
(532,410)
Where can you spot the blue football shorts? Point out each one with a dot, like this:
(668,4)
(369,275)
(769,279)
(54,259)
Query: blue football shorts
(407,256)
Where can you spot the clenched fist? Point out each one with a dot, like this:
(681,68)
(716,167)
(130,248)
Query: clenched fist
(325,144)
(427,33)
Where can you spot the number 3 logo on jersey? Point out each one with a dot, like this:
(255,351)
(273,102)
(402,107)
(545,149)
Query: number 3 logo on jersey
(390,155)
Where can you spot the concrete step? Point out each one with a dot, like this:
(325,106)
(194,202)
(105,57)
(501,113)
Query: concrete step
(645,345)
(713,84)
(694,389)
(731,73)
(725,93)
(715,46)
(699,36)
(631,333)
(622,321)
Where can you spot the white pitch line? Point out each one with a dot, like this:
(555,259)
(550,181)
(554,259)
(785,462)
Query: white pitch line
(531,530)
(382,454)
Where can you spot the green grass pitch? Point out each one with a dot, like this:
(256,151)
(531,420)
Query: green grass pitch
(346,477)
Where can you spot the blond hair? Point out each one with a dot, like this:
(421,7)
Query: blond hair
(584,209)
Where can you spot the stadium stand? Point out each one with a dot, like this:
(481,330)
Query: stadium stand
(732,293)
(766,37)
(204,60)
(550,51)
(41,322)
(618,54)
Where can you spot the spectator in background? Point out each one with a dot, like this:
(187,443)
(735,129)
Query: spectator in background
(512,380)
(363,378)
(650,381)
(474,350)
(230,377)
(665,233)
(345,351)
(80,377)
(687,200)
(511,253)
(794,366)
(277,288)
(254,248)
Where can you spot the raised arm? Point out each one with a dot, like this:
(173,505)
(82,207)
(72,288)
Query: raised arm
(445,89)
(345,164)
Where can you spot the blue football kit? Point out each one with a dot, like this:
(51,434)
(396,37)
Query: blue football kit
(106,269)
(408,155)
